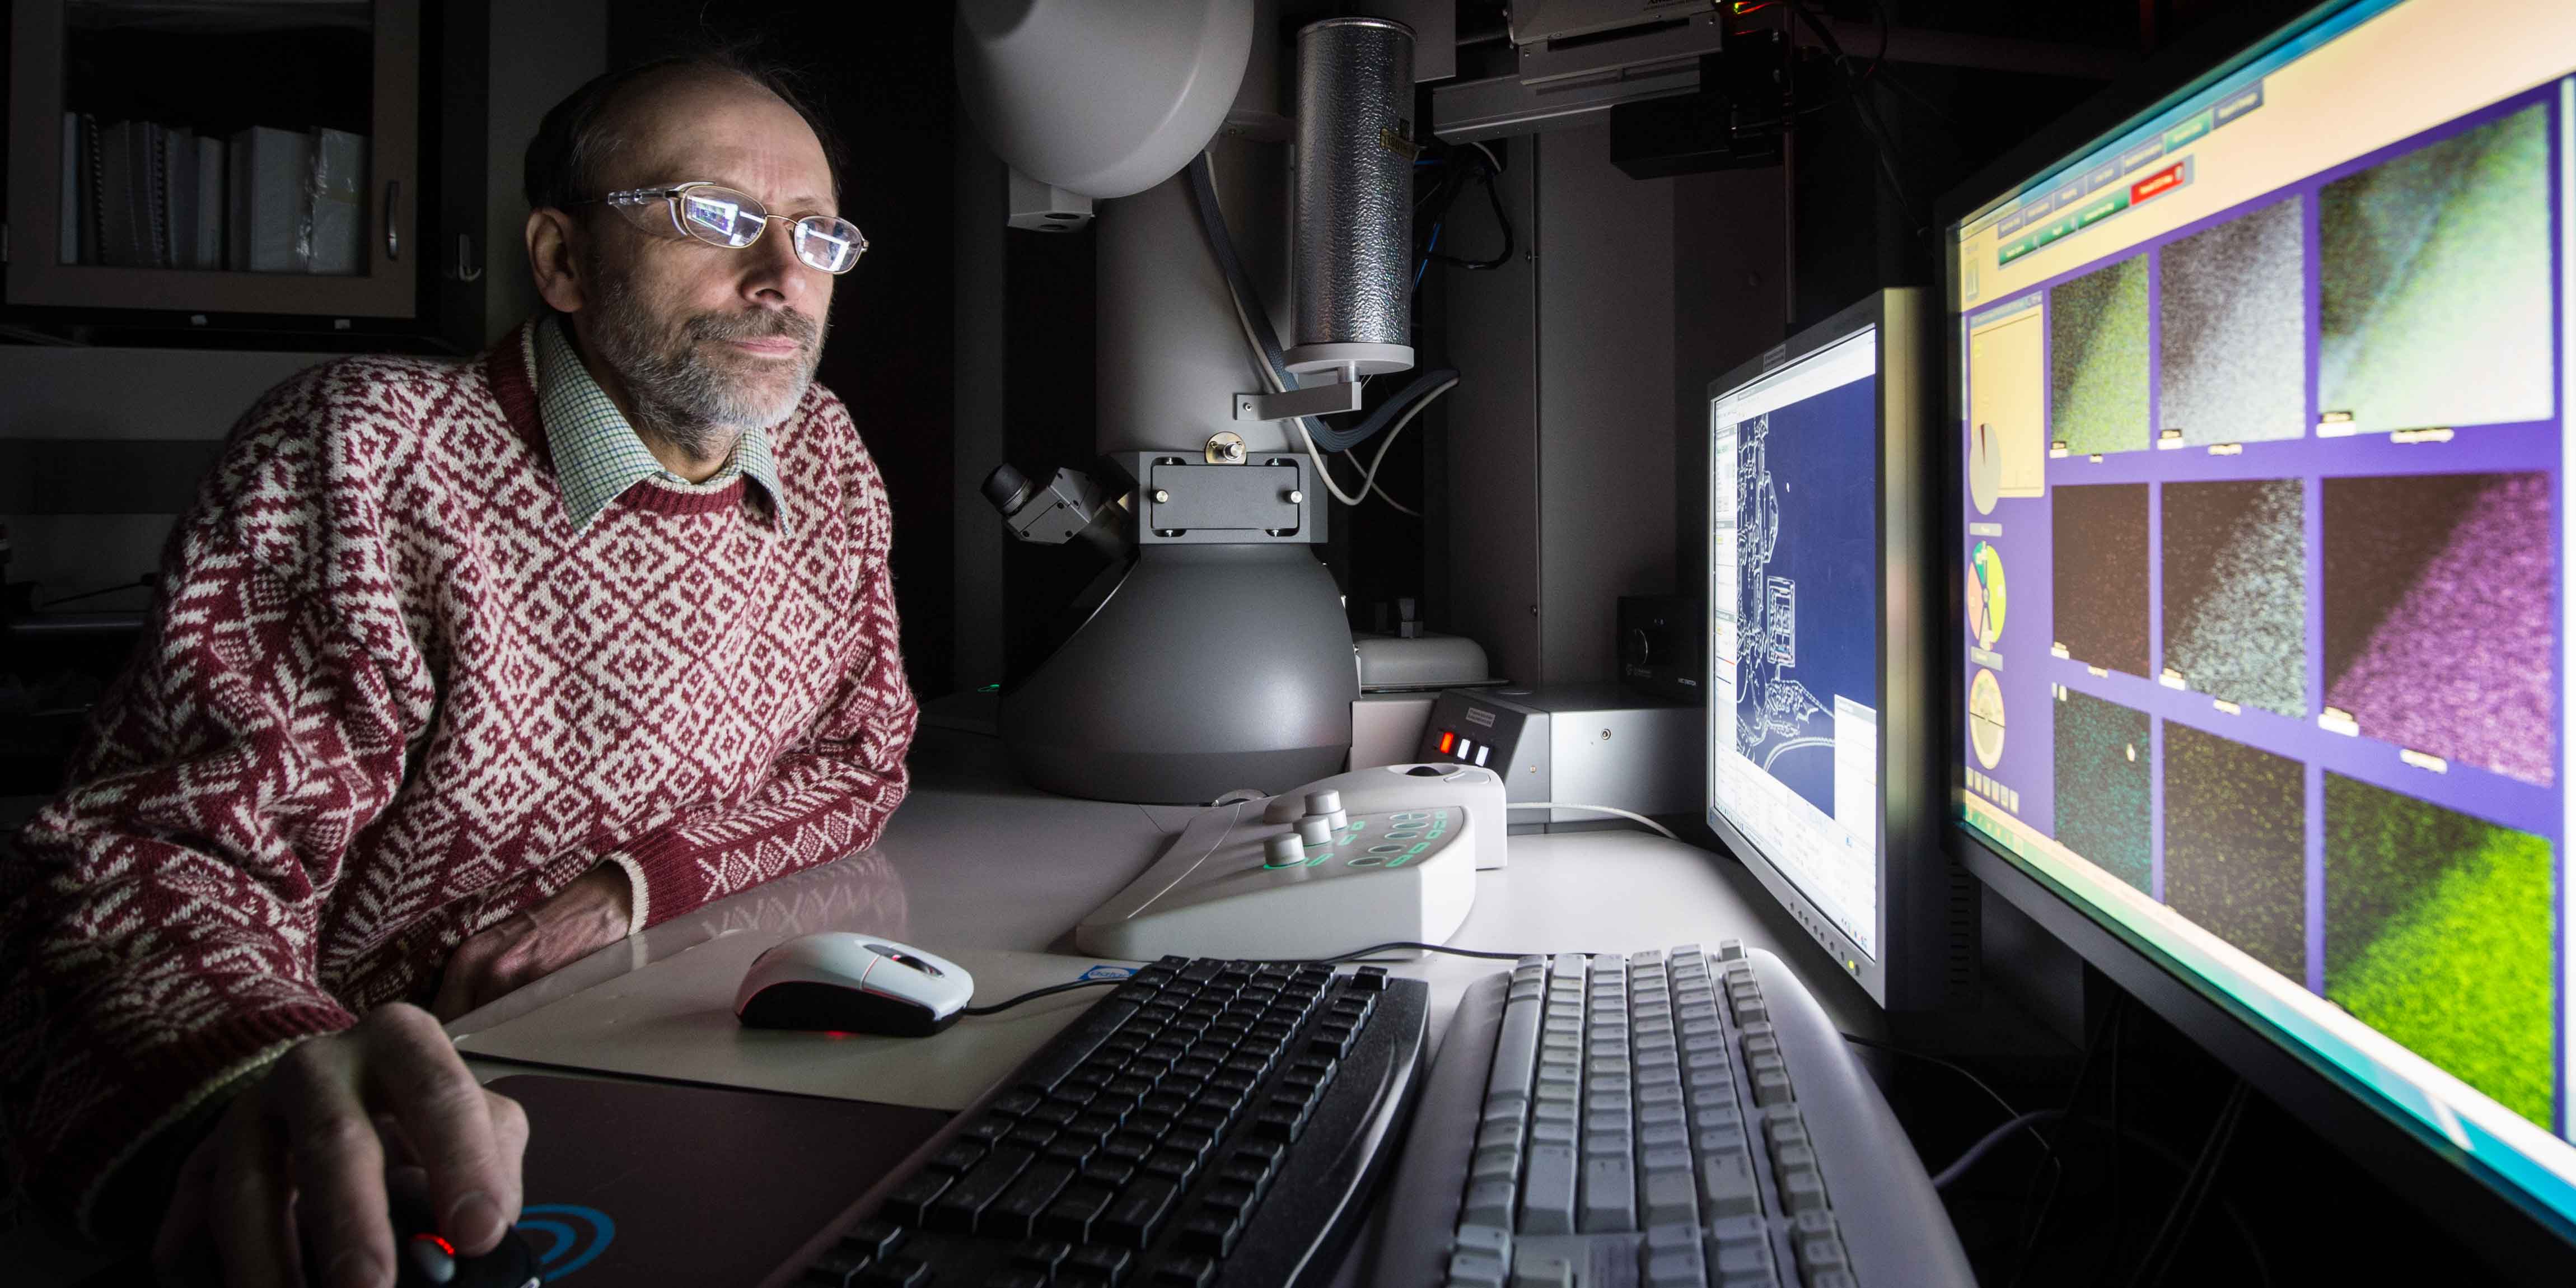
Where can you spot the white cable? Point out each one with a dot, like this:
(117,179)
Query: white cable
(1369,482)
(1594,809)
(1320,472)
(1495,161)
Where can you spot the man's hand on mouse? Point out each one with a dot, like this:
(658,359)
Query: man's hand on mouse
(584,917)
(293,1175)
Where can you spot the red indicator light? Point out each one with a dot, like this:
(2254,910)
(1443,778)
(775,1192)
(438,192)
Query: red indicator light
(443,1245)
(1448,742)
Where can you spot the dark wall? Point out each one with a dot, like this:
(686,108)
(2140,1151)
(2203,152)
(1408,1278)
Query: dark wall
(888,87)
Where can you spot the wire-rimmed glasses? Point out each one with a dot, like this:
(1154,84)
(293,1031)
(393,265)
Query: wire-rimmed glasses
(733,219)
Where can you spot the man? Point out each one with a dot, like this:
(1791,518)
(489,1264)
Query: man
(461,672)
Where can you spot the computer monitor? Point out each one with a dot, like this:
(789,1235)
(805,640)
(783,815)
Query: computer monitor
(2262,542)
(1822,770)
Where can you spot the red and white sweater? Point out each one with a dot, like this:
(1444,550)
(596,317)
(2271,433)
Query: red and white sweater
(392,697)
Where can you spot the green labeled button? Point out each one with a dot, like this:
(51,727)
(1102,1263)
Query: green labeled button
(2187,132)
(2110,203)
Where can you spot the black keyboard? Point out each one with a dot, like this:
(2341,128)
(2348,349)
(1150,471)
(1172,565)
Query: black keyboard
(1210,1122)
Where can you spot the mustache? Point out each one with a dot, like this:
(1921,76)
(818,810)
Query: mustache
(756,326)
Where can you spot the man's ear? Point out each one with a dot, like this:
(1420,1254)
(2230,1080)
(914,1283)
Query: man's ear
(552,238)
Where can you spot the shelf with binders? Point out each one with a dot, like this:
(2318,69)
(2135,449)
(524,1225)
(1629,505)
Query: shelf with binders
(231,162)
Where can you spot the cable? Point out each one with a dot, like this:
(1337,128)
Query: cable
(1968,1158)
(2093,1047)
(1961,1070)
(1368,482)
(143,582)
(2186,1209)
(1374,949)
(1036,993)
(1595,809)
(1864,109)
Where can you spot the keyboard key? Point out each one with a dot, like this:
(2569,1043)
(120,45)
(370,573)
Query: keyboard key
(896,1272)
(1176,1165)
(1547,1194)
(1096,1264)
(1484,1240)
(958,1157)
(1745,1265)
(1609,1194)
(1071,1216)
(1490,1203)
(913,1198)
(1674,1267)
(1542,1270)
(1727,1185)
(875,1237)
(1042,1256)
(1820,1254)
(1181,1270)
(1802,1189)
(1015,1214)
(1134,1218)
(1211,1231)
(1473,1270)
(834,1269)
(960,1209)
(1668,1195)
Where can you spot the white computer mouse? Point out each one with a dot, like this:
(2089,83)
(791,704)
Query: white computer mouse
(845,982)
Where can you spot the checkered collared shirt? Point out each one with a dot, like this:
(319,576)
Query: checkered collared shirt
(597,454)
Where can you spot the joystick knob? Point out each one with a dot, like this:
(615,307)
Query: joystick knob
(1326,801)
(1316,830)
(1283,850)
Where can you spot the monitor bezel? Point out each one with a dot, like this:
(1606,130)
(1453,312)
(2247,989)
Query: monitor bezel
(1925,902)
(2527,1241)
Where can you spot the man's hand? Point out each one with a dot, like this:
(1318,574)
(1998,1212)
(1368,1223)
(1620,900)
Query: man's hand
(293,1175)
(588,915)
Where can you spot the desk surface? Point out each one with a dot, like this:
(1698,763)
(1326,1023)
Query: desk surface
(977,867)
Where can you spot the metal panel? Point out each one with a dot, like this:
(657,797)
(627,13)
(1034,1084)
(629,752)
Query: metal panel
(1500,106)
(1225,496)
(1493,433)
(1605,363)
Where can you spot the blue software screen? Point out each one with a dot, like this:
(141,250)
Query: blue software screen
(2264,537)
(1793,656)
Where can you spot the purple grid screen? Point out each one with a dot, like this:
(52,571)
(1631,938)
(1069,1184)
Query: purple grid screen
(2523,791)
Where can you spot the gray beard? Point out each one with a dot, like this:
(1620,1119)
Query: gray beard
(685,403)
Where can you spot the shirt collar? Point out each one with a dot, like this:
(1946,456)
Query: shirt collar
(597,455)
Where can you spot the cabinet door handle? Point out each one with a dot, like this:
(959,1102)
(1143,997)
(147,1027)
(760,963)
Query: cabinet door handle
(393,233)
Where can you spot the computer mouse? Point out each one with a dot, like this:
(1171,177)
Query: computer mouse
(846,982)
(423,1259)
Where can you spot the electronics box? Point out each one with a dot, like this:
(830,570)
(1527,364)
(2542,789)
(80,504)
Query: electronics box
(1663,646)
(1584,744)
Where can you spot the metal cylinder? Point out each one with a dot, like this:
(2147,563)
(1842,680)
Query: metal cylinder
(1354,240)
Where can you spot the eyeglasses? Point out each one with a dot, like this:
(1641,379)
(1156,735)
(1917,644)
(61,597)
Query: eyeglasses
(721,216)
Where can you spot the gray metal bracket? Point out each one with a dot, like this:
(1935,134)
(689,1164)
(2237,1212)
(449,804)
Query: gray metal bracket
(1312,400)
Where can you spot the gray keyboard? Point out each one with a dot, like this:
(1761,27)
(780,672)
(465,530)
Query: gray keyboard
(1669,1119)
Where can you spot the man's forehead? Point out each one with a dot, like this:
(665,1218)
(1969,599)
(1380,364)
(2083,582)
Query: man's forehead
(730,131)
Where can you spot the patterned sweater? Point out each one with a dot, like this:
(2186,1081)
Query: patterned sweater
(393,697)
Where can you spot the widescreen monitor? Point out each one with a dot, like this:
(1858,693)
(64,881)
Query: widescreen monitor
(1821,761)
(2262,529)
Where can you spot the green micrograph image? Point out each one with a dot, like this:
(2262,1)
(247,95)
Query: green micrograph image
(2106,787)
(2097,360)
(2438,934)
